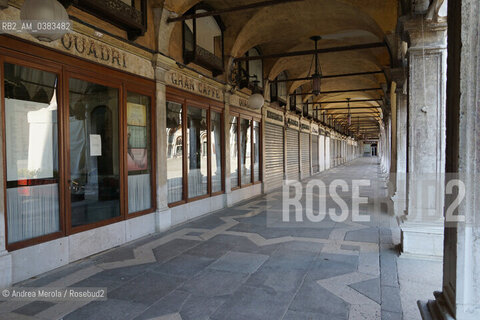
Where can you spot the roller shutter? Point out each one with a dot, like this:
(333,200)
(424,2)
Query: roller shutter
(305,154)
(273,177)
(293,162)
(321,147)
(315,162)
(327,153)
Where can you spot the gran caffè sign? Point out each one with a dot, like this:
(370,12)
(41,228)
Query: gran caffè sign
(184,82)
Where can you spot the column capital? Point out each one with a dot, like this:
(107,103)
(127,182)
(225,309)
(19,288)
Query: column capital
(422,33)
(161,65)
(399,75)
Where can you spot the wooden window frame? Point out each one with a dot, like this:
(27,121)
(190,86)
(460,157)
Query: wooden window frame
(187,99)
(23,53)
(242,114)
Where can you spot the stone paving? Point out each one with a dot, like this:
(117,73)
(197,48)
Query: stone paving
(243,263)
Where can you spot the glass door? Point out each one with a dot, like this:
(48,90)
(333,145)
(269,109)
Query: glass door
(94,181)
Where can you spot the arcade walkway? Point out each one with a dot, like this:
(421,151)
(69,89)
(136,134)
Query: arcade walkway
(239,264)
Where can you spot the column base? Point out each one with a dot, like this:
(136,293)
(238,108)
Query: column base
(6,270)
(435,309)
(163,219)
(422,239)
(399,204)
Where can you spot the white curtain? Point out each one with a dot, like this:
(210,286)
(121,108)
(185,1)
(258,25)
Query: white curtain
(32,212)
(139,193)
(175,189)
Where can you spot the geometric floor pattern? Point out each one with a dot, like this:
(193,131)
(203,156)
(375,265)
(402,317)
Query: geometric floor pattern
(244,263)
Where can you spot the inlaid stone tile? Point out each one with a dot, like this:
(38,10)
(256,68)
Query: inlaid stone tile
(33,308)
(214,283)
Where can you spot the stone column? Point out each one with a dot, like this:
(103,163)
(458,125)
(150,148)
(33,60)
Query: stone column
(400,196)
(460,298)
(422,226)
(164,217)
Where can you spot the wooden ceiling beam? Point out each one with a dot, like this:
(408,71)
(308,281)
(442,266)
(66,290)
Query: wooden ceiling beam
(345,108)
(312,52)
(351,101)
(333,76)
(337,91)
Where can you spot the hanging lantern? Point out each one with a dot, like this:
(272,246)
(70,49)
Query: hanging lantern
(48,11)
(349,115)
(256,100)
(317,76)
(316,84)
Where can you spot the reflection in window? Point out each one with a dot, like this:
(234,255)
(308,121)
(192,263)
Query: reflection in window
(245,150)
(174,152)
(138,152)
(31,138)
(94,152)
(233,152)
(216,143)
(197,152)
(256,151)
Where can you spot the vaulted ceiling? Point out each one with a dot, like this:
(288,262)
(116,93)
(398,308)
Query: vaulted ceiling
(288,27)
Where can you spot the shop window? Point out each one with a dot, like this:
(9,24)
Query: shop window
(216,151)
(203,40)
(245,149)
(70,161)
(174,152)
(194,150)
(196,160)
(234,181)
(31,141)
(94,152)
(139,153)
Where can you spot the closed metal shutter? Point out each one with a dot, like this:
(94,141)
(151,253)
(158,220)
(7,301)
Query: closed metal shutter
(305,154)
(333,152)
(273,177)
(293,162)
(315,162)
(328,165)
(321,146)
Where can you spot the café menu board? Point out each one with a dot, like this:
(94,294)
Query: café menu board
(137,137)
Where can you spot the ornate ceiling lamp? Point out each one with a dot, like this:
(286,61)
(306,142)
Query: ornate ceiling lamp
(48,11)
(349,114)
(317,76)
(256,100)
